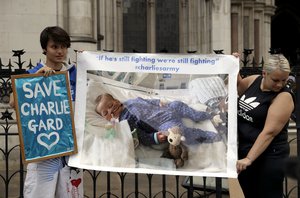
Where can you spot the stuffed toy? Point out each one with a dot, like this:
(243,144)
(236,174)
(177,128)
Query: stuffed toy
(176,150)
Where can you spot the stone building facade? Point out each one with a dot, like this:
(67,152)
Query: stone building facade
(147,26)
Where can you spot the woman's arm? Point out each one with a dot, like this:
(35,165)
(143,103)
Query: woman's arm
(239,78)
(278,115)
(243,83)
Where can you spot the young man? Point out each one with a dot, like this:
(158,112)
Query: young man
(53,177)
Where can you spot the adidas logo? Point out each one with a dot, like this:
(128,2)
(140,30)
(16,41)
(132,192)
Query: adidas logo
(248,104)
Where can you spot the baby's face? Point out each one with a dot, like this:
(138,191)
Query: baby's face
(109,108)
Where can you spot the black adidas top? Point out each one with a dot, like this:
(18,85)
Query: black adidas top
(253,107)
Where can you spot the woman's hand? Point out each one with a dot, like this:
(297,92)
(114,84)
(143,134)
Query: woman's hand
(47,71)
(236,54)
(242,164)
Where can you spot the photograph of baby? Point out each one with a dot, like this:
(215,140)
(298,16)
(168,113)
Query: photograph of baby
(156,122)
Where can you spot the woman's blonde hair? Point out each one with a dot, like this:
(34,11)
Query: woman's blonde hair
(277,61)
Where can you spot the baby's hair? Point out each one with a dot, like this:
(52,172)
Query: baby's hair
(99,98)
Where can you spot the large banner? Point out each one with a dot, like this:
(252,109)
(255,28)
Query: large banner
(44,115)
(156,113)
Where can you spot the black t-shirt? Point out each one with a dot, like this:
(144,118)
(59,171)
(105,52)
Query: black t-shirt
(253,108)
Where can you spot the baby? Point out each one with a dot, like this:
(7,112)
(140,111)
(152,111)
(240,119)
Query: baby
(112,109)
(152,119)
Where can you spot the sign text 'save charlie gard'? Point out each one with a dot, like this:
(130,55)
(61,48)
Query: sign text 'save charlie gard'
(45,116)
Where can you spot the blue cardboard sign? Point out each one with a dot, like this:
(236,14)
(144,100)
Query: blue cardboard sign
(44,115)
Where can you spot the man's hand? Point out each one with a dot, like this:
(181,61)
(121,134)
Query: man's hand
(47,71)
(11,100)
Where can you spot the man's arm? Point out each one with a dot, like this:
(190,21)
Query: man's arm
(12,100)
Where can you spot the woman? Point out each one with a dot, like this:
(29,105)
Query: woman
(264,109)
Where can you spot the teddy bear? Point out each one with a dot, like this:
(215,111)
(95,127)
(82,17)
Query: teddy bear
(176,150)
